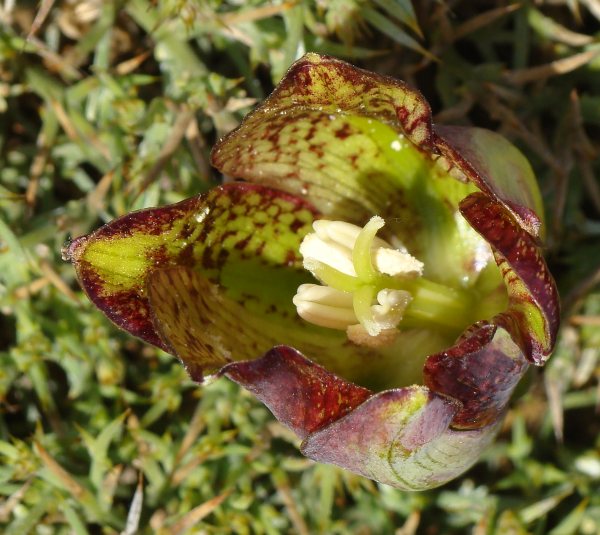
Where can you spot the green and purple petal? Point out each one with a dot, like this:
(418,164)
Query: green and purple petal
(302,394)
(203,325)
(401,437)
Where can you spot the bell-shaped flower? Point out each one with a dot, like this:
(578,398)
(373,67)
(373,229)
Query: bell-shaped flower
(376,281)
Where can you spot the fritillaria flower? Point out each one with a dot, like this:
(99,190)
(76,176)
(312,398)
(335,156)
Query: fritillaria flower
(376,281)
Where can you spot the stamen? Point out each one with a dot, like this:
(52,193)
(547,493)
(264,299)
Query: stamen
(392,262)
(343,233)
(324,306)
(369,286)
(315,248)
(392,303)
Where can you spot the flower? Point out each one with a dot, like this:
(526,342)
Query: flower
(399,264)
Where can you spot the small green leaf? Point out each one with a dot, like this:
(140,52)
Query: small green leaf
(387,27)
(403,10)
(98,449)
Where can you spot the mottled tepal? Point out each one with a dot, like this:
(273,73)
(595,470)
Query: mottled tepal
(375,280)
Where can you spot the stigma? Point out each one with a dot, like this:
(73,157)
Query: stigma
(362,278)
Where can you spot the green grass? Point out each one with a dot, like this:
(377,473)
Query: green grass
(103,111)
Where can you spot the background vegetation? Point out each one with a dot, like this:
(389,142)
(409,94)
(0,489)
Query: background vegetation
(109,106)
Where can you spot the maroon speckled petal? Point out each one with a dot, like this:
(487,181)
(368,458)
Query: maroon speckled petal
(222,229)
(481,371)
(125,304)
(304,138)
(532,317)
(301,394)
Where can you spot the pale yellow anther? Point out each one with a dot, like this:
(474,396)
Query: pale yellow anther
(318,249)
(392,262)
(324,306)
(343,233)
(332,244)
(390,306)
